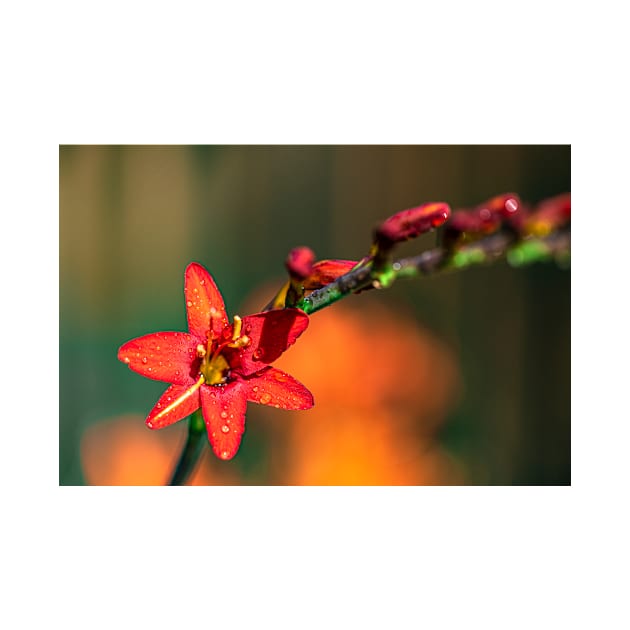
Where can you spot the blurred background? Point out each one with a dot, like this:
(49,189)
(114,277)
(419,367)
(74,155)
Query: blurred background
(456,379)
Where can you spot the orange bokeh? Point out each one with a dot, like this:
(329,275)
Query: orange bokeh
(122,451)
(382,386)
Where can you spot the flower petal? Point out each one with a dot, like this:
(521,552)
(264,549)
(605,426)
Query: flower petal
(224,413)
(203,302)
(271,333)
(177,402)
(162,356)
(278,389)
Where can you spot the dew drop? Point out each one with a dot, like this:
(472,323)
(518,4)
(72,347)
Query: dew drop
(485,214)
(255,388)
(189,304)
(511,205)
(225,428)
(144,359)
(157,347)
(225,455)
(277,406)
(224,414)
(258,354)
(127,359)
(202,281)
(265,398)
(281,378)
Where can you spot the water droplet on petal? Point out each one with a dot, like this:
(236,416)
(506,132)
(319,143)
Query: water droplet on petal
(144,359)
(255,388)
(225,455)
(189,304)
(224,414)
(127,359)
(225,428)
(265,398)
(258,354)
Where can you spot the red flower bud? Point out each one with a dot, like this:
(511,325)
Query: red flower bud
(549,215)
(408,224)
(484,219)
(326,271)
(299,262)
(506,206)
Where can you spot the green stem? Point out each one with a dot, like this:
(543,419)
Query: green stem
(192,450)
(439,260)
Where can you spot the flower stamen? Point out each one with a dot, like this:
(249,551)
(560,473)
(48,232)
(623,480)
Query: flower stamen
(238,324)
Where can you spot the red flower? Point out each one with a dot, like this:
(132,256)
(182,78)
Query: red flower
(217,365)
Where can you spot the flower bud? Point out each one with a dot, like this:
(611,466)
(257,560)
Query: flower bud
(549,215)
(408,224)
(299,263)
(326,271)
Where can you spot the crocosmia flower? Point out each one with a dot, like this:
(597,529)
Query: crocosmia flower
(217,365)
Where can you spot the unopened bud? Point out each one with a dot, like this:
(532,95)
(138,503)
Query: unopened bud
(408,224)
(299,262)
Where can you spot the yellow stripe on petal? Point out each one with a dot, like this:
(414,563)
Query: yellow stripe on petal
(180,399)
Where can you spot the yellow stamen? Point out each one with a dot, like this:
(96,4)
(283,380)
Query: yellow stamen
(180,399)
(238,324)
(241,342)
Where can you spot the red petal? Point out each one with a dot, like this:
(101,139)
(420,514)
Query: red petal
(176,402)
(326,271)
(224,412)
(278,389)
(203,302)
(162,356)
(271,333)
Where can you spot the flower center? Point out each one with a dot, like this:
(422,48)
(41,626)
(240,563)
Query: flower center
(214,367)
